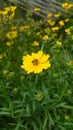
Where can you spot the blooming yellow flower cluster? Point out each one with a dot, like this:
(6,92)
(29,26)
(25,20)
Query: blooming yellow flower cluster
(51,22)
(24,27)
(8,12)
(11,35)
(36,62)
(67,6)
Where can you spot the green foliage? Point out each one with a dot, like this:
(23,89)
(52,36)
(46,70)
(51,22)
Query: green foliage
(41,101)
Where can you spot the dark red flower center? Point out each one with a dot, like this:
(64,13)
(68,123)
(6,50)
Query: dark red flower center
(35,62)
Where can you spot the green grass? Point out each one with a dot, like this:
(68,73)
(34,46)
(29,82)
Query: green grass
(41,101)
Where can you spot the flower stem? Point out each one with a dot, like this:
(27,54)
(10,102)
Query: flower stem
(42,47)
(36,79)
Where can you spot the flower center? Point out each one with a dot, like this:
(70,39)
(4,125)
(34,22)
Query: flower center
(35,62)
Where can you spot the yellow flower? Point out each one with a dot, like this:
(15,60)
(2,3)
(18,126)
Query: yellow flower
(66,20)
(50,22)
(59,43)
(3,12)
(11,73)
(15,90)
(36,43)
(8,12)
(69,91)
(45,37)
(68,31)
(12,34)
(61,23)
(22,77)
(70,63)
(13,28)
(24,27)
(55,28)
(37,9)
(49,15)
(67,6)
(72,37)
(1,56)
(47,30)
(39,96)
(5,71)
(38,33)
(9,43)
(67,117)
(11,15)
(56,15)
(10,8)
(35,62)
(54,34)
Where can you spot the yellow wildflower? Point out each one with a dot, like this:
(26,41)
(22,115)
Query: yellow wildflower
(4,13)
(38,33)
(24,27)
(67,6)
(36,43)
(50,22)
(72,37)
(11,73)
(1,11)
(9,43)
(47,30)
(1,56)
(39,96)
(54,34)
(10,8)
(35,62)
(49,15)
(11,15)
(45,37)
(13,28)
(37,9)
(15,90)
(61,23)
(59,43)
(67,117)
(5,71)
(68,31)
(8,12)
(11,35)
(22,77)
(55,28)
(56,15)
(66,20)
(70,62)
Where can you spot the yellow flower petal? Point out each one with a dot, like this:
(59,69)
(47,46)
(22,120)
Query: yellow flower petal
(44,58)
(35,62)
